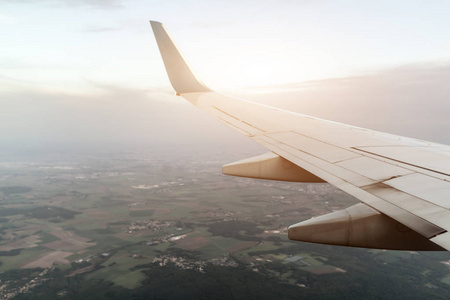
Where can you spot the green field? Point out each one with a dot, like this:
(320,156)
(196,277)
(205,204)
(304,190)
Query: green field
(208,233)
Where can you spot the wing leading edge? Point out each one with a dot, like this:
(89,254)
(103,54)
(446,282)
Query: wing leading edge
(403,183)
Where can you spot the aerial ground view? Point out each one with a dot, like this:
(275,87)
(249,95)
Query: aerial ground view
(145,225)
(111,186)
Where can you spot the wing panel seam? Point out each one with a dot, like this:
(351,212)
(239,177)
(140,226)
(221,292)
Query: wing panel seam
(403,162)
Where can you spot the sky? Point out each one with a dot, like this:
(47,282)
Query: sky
(87,74)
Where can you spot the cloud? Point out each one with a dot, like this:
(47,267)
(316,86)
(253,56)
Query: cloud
(99,4)
(94,29)
(166,93)
(6,80)
(112,121)
(14,63)
(5,19)
(411,100)
(195,25)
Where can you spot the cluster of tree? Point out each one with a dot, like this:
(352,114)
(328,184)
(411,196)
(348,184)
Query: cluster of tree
(45,212)
(9,190)
(13,252)
(39,212)
(234,229)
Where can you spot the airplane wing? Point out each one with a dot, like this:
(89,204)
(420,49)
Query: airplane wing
(403,183)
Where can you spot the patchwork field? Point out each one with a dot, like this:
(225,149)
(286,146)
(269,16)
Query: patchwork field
(127,225)
(48,260)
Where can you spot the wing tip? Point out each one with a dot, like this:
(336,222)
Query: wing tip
(182,77)
(152,22)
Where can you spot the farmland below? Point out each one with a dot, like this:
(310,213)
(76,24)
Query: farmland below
(142,225)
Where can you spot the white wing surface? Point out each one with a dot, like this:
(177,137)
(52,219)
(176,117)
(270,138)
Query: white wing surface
(403,183)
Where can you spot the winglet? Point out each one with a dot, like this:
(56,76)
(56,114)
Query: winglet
(181,76)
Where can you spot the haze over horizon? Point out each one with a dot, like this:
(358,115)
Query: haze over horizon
(87,75)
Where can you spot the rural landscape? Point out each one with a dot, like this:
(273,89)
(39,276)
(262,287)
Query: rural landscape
(159,225)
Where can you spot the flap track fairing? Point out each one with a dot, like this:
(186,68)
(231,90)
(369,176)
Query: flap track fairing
(269,166)
(360,226)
